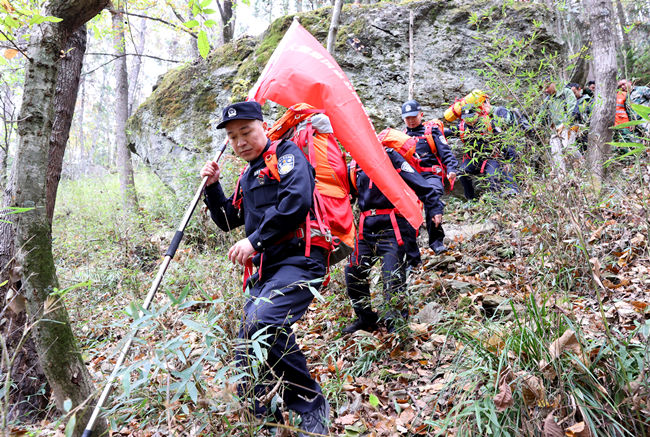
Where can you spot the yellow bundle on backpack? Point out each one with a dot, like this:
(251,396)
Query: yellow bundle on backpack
(476,97)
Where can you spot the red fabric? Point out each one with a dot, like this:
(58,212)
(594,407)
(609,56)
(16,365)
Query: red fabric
(301,70)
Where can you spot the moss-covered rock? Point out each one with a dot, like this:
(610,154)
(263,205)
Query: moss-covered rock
(174,128)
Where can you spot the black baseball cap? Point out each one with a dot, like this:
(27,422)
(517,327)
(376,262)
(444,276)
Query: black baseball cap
(241,111)
(411,109)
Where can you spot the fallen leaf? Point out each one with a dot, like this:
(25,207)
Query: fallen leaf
(7,6)
(503,400)
(406,416)
(580,429)
(10,53)
(641,306)
(348,419)
(419,328)
(568,342)
(551,428)
(532,388)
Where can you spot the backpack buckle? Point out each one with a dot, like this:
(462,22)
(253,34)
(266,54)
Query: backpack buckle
(300,233)
(373,212)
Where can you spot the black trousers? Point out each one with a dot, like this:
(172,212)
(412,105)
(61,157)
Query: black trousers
(379,244)
(495,173)
(267,345)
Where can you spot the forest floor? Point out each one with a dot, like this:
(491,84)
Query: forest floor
(536,321)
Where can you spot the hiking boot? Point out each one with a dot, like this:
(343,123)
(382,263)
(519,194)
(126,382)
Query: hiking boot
(438,247)
(390,326)
(359,325)
(316,421)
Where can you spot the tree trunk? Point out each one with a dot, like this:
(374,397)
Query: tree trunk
(628,59)
(50,328)
(67,88)
(3,167)
(27,400)
(8,117)
(30,393)
(604,56)
(411,57)
(227,19)
(81,138)
(134,84)
(334,26)
(125,167)
(299,6)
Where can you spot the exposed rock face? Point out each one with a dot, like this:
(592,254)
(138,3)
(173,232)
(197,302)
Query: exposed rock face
(174,129)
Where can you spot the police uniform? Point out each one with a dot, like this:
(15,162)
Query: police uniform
(272,213)
(382,232)
(428,159)
(482,156)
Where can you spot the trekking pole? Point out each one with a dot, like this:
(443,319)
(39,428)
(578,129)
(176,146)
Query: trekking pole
(173,246)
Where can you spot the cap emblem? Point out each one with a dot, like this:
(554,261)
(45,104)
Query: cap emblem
(407,108)
(232,112)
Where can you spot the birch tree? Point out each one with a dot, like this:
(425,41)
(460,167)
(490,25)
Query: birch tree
(55,343)
(124,164)
(604,56)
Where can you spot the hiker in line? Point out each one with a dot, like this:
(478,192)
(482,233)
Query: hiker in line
(508,119)
(584,106)
(558,109)
(382,234)
(626,134)
(582,112)
(591,87)
(484,153)
(627,94)
(273,214)
(435,160)
(640,95)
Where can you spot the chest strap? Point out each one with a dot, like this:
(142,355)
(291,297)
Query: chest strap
(393,219)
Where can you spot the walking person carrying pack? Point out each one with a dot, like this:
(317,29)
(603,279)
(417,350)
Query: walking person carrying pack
(437,163)
(382,235)
(276,213)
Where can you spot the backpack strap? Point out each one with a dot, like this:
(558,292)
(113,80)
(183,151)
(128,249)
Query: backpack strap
(461,129)
(428,135)
(393,219)
(238,196)
(271,162)
(352,170)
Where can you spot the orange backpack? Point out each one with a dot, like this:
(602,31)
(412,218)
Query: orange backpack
(405,145)
(312,131)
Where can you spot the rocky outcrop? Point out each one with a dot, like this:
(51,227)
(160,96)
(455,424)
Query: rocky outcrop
(174,128)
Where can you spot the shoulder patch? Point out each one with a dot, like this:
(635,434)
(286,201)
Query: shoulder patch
(407,167)
(286,163)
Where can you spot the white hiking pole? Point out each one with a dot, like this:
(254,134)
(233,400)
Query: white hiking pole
(173,246)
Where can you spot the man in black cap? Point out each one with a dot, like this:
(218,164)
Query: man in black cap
(431,167)
(273,213)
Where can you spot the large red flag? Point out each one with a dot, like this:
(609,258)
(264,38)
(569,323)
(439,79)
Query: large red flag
(301,70)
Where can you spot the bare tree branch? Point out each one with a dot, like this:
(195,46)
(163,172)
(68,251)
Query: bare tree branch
(15,46)
(176,13)
(160,20)
(125,54)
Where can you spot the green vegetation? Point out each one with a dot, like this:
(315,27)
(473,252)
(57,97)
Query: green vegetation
(437,378)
